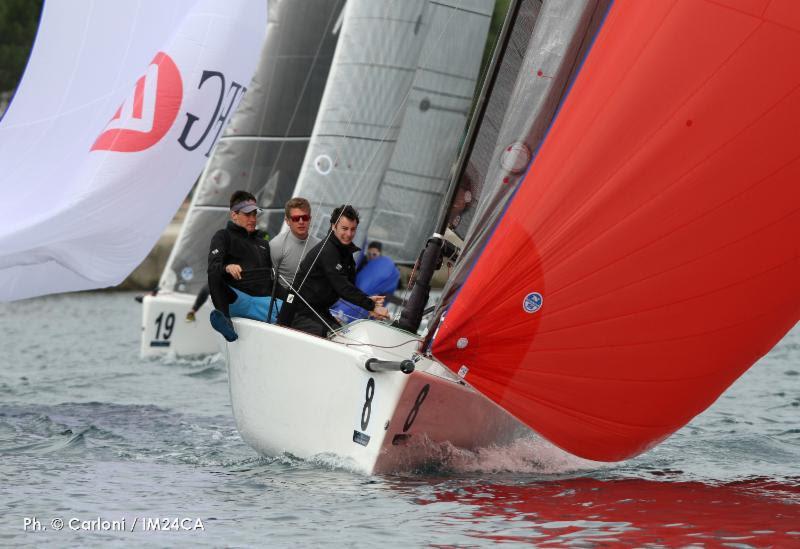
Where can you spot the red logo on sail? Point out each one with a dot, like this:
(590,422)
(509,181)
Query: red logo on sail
(148,114)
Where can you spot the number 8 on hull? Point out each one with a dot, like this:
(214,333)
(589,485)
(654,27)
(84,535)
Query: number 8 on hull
(293,393)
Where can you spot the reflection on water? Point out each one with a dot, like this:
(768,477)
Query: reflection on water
(588,511)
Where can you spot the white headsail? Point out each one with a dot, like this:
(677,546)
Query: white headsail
(119,104)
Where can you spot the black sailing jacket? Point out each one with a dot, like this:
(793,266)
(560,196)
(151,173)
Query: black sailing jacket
(234,245)
(331,276)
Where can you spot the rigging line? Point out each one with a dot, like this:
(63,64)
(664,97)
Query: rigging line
(488,79)
(398,110)
(334,330)
(379,346)
(302,91)
(474,12)
(289,284)
(328,29)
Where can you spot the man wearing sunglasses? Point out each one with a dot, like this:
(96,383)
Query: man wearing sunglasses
(240,268)
(327,273)
(288,248)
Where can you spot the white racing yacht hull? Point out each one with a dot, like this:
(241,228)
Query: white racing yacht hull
(293,393)
(165,330)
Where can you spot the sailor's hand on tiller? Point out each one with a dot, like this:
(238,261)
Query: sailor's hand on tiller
(379,313)
(378,299)
(234,270)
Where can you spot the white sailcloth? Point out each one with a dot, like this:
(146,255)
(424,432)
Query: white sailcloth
(398,97)
(359,117)
(108,131)
(432,129)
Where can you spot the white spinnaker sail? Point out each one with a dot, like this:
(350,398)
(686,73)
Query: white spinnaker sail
(393,116)
(263,147)
(109,130)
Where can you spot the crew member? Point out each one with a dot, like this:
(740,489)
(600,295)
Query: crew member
(240,269)
(199,301)
(327,273)
(289,247)
(376,275)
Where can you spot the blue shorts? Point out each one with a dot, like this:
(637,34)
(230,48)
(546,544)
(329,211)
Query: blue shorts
(256,308)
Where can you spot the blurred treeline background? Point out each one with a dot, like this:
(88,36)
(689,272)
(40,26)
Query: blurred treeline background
(19,20)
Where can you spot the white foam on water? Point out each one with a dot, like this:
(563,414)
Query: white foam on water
(524,455)
(529,454)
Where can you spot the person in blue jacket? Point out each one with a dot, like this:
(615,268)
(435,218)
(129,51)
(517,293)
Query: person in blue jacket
(376,275)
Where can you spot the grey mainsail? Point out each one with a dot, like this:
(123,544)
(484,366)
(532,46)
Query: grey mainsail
(393,115)
(263,147)
(432,130)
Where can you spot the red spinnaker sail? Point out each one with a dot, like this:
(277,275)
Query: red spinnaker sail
(652,253)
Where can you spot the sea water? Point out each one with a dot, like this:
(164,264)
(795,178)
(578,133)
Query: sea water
(99,447)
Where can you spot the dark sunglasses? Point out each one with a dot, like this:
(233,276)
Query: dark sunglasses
(296,218)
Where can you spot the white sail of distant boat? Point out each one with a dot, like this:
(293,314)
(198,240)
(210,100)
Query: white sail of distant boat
(108,130)
(400,88)
(261,152)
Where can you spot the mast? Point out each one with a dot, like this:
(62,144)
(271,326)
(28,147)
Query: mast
(437,248)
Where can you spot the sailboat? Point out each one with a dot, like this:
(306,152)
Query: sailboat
(631,247)
(261,151)
(630,265)
(386,434)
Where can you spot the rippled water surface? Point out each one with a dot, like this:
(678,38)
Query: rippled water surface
(88,431)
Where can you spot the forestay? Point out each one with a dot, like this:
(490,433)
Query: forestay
(91,178)
(650,255)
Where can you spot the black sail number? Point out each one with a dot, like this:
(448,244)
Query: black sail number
(366,411)
(412,415)
(168,325)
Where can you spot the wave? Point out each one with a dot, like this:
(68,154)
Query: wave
(128,431)
(209,372)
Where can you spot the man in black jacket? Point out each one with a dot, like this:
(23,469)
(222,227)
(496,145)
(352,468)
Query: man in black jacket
(328,273)
(240,269)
